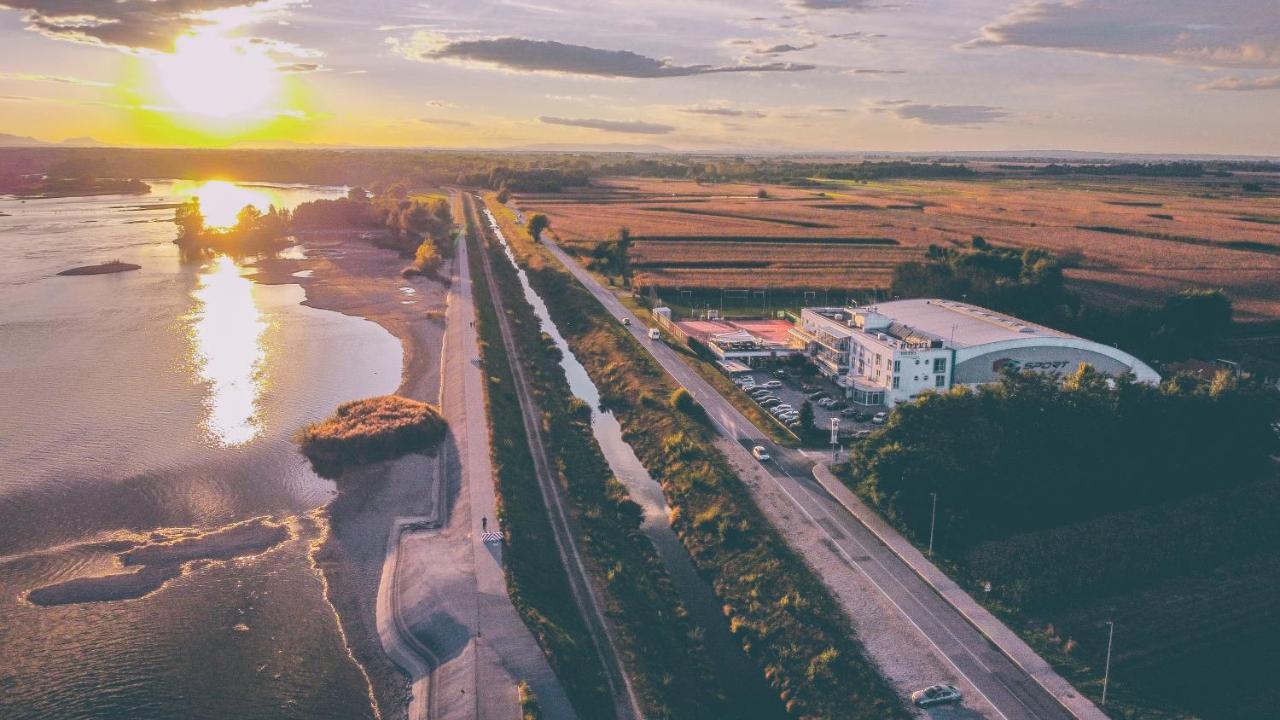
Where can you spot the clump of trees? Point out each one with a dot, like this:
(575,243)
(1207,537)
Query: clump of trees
(371,430)
(614,258)
(537,223)
(254,230)
(1029,284)
(407,223)
(1034,452)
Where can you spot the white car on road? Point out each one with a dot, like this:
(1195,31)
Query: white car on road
(760,453)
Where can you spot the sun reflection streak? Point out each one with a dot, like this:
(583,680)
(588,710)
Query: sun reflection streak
(227,330)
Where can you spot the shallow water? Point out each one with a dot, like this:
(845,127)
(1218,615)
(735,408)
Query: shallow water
(138,403)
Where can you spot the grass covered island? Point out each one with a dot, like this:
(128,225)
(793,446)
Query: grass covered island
(106,268)
(371,430)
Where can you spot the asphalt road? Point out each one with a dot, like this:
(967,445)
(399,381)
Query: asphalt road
(1007,688)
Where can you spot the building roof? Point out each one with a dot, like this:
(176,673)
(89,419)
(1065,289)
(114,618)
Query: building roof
(959,324)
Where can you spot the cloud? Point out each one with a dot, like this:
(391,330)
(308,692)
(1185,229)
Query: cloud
(301,67)
(857,36)
(783,48)
(1215,33)
(721,111)
(525,55)
(1271,82)
(848,5)
(60,79)
(635,127)
(953,115)
(128,24)
(444,121)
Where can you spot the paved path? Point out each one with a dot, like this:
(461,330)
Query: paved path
(506,650)
(1011,691)
(585,594)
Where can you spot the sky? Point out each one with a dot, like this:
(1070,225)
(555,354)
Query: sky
(1140,76)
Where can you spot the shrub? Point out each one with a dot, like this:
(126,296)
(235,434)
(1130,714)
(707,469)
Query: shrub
(371,430)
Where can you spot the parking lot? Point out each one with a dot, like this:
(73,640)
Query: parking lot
(792,394)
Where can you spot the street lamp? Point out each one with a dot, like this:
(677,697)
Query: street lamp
(1106,674)
(933,517)
(835,438)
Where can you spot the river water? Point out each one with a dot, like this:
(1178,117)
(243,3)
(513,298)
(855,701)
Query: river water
(153,406)
(751,698)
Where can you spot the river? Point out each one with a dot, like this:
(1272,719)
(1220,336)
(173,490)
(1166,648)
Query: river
(155,407)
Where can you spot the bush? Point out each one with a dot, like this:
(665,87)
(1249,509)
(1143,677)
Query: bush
(371,430)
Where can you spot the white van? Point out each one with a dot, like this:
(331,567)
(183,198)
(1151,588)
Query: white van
(654,334)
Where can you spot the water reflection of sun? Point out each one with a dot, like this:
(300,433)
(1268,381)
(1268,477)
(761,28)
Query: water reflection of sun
(220,200)
(227,330)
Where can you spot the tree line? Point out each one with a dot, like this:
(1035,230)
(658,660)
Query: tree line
(1029,283)
(1034,451)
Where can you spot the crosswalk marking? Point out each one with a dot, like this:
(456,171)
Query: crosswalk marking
(492,538)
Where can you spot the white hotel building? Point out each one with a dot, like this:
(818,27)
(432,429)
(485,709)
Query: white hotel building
(891,352)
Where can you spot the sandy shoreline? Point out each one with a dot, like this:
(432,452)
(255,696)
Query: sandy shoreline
(351,276)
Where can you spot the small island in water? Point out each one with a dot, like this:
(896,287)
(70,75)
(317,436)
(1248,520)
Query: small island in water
(115,266)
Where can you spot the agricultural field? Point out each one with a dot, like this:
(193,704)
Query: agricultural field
(1126,240)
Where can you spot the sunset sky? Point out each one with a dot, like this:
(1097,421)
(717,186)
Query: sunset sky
(1177,76)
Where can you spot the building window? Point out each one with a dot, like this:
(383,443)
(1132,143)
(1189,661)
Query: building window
(940,381)
(895,382)
(939,365)
(897,365)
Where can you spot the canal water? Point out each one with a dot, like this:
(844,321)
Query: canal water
(751,699)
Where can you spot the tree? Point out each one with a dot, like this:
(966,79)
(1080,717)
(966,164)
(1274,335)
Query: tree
(806,417)
(762,194)
(189,219)
(358,194)
(504,195)
(427,259)
(537,223)
(624,255)
(681,400)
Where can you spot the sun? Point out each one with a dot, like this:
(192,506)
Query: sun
(213,77)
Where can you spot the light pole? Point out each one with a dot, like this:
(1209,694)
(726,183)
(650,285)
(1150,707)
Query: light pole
(933,518)
(835,438)
(1106,674)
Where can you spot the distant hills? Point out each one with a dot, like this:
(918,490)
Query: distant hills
(7,140)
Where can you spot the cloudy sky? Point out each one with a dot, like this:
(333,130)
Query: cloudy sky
(1110,75)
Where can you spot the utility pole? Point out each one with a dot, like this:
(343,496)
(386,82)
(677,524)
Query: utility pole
(933,518)
(835,439)
(1106,674)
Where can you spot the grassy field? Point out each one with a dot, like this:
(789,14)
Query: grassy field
(1129,240)
(779,610)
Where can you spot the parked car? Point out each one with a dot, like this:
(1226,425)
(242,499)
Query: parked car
(773,384)
(760,453)
(826,402)
(759,392)
(789,415)
(770,401)
(940,694)
(780,373)
(879,418)
(795,424)
(809,387)
(815,395)
(850,412)
(836,405)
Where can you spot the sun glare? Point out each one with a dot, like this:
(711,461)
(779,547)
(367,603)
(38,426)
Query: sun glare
(221,201)
(215,77)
